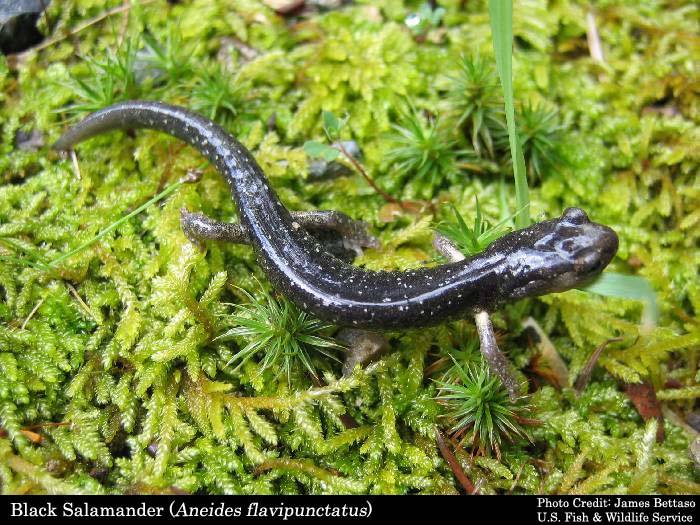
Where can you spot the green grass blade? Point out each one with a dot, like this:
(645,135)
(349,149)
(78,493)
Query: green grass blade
(631,287)
(501,16)
(25,262)
(163,194)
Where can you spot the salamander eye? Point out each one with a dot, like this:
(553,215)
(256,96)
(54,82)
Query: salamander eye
(568,245)
(575,216)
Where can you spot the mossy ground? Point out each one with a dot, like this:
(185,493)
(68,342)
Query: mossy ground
(110,380)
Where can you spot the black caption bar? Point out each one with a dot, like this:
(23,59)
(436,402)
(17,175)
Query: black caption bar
(527,509)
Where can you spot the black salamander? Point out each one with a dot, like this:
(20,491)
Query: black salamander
(550,256)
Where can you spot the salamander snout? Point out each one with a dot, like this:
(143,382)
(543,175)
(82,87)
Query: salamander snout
(588,246)
(602,248)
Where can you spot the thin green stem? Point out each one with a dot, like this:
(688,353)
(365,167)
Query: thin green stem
(163,194)
(25,262)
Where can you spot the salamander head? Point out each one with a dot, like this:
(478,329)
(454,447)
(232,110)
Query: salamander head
(557,255)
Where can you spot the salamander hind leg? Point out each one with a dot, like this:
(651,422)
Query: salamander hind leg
(354,233)
(198,228)
(335,230)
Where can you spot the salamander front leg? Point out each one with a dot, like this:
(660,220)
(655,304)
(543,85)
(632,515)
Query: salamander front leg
(498,363)
(354,233)
(199,228)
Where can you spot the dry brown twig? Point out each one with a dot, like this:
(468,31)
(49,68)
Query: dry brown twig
(366,176)
(595,47)
(454,465)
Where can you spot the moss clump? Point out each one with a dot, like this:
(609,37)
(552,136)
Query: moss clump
(112,377)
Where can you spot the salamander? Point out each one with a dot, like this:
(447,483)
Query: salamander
(550,256)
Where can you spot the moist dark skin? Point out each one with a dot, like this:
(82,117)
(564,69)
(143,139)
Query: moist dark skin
(550,256)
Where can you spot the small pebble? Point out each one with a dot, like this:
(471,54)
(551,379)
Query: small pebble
(693,420)
(29,140)
(694,449)
(18,30)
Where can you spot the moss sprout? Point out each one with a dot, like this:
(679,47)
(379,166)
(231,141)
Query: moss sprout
(285,336)
(480,409)
(541,135)
(475,102)
(218,95)
(423,157)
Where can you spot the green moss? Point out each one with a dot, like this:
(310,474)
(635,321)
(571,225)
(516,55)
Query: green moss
(111,378)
